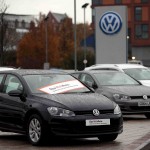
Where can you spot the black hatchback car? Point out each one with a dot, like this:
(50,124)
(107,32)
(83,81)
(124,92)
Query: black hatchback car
(42,103)
(129,94)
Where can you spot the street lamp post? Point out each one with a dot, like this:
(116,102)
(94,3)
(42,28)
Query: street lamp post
(46,64)
(85,48)
(75,38)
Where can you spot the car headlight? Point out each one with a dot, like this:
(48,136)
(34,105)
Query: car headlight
(55,111)
(117,110)
(121,97)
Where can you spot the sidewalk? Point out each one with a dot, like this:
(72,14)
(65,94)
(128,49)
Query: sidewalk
(136,135)
(142,143)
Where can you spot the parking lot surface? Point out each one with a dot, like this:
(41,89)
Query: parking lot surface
(136,136)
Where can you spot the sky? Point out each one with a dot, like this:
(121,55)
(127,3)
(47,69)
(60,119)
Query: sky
(34,7)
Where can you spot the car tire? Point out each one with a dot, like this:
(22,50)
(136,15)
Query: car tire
(147,115)
(35,130)
(107,138)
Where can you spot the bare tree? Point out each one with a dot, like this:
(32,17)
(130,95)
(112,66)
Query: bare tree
(3,8)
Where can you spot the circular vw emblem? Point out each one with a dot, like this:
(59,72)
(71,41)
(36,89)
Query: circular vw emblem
(96,112)
(145,97)
(110,23)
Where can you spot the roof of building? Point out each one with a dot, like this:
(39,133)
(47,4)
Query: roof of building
(59,17)
(26,18)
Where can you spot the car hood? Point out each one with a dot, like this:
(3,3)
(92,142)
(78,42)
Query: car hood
(78,101)
(137,90)
(145,82)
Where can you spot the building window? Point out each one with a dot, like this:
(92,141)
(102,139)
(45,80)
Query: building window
(96,2)
(144,1)
(141,31)
(138,13)
(23,24)
(16,23)
(118,1)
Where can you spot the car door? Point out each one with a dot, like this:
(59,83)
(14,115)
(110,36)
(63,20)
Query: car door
(11,108)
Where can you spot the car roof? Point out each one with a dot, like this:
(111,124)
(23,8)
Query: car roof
(6,68)
(115,66)
(95,71)
(32,71)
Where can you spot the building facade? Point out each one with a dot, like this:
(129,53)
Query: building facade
(138,26)
(13,27)
(21,23)
(16,25)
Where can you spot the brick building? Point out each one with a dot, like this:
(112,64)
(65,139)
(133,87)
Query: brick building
(56,19)
(138,26)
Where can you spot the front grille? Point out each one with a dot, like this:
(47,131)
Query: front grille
(79,127)
(142,108)
(91,112)
(138,97)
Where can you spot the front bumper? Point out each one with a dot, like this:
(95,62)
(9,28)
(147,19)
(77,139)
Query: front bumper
(133,107)
(76,127)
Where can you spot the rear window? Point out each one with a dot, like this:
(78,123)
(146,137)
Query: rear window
(138,73)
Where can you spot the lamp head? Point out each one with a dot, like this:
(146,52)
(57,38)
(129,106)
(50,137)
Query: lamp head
(85,5)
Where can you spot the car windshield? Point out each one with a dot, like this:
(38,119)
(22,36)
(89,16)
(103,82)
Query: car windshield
(54,84)
(114,79)
(138,73)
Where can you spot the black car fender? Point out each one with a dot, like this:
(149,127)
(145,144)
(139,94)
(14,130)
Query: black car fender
(38,109)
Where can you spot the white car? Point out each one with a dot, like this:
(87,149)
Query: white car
(6,68)
(138,72)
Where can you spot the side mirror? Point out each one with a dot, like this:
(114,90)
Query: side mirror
(18,93)
(15,93)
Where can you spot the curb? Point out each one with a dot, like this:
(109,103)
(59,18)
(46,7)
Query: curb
(142,143)
(144,146)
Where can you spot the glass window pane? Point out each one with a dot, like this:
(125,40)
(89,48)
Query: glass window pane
(118,1)
(12,83)
(96,2)
(1,78)
(145,35)
(141,31)
(144,1)
(138,30)
(145,27)
(138,13)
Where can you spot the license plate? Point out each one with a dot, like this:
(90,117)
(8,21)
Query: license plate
(143,103)
(97,122)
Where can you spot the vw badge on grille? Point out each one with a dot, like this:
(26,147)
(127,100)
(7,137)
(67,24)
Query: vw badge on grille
(110,23)
(96,112)
(145,97)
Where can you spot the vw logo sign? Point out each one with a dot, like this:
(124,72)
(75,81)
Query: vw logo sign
(96,112)
(145,97)
(110,23)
